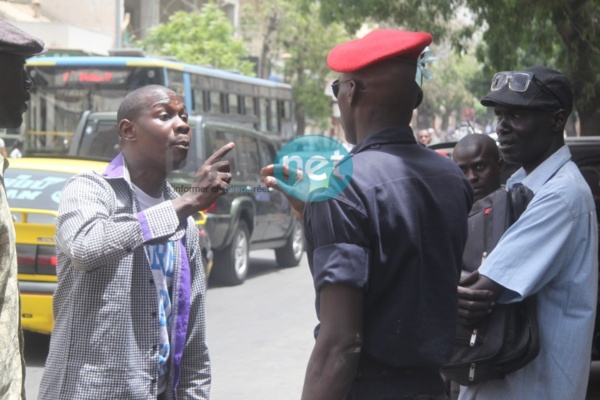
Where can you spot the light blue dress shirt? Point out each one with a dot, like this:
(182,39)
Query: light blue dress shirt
(552,251)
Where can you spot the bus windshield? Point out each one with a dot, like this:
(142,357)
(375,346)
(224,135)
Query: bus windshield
(61,94)
(65,89)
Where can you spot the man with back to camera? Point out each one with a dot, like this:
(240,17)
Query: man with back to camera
(129,307)
(15,47)
(380,249)
(551,250)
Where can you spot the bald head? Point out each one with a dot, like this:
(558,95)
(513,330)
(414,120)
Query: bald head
(391,91)
(153,129)
(378,96)
(140,99)
(478,157)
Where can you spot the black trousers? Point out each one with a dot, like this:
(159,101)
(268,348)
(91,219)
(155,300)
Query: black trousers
(376,381)
(388,389)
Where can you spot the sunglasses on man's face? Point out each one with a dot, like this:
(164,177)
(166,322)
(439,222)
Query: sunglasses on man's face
(519,82)
(335,86)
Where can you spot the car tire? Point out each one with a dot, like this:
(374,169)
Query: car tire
(291,254)
(230,266)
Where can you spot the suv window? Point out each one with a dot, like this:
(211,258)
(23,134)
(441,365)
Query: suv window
(248,157)
(100,139)
(267,153)
(218,139)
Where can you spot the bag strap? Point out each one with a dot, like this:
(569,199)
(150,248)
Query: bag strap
(519,198)
(504,210)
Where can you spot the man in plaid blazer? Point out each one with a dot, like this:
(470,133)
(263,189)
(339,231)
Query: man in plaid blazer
(129,307)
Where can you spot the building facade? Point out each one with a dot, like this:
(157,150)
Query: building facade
(97,26)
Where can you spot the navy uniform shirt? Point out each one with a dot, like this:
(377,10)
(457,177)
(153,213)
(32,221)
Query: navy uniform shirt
(397,231)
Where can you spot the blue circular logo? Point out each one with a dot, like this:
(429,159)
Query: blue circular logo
(313,168)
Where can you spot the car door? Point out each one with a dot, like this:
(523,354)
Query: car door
(279,212)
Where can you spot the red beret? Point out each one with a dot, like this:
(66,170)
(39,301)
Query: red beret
(376,46)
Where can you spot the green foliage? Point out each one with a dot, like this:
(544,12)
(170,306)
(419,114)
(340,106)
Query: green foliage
(308,43)
(561,34)
(424,15)
(204,38)
(448,92)
(304,43)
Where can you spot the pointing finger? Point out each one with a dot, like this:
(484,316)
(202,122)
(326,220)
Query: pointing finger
(222,152)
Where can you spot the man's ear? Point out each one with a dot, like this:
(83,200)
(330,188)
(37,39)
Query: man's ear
(419,98)
(559,119)
(353,91)
(127,130)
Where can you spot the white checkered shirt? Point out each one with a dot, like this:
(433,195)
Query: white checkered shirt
(105,339)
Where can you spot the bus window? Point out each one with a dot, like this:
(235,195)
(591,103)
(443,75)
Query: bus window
(274,125)
(215,102)
(249,105)
(175,79)
(65,87)
(264,118)
(232,103)
(199,104)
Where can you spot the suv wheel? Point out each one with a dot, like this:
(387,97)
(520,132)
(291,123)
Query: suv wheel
(291,254)
(230,265)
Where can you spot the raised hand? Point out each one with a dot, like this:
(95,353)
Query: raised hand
(211,180)
(294,193)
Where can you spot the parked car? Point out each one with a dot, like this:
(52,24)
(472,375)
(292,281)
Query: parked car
(585,152)
(249,216)
(33,187)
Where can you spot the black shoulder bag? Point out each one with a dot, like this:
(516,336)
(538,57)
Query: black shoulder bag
(507,339)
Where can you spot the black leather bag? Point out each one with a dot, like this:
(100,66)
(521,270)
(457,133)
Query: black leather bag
(508,338)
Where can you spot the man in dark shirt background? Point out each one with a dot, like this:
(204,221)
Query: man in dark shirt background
(479,159)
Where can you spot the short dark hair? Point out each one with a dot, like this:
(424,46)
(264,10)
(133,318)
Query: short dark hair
(133,104)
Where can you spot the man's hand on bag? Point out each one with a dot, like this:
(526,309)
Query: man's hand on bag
(474,303)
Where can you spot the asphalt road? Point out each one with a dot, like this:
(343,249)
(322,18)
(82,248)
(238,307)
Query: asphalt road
(259,335)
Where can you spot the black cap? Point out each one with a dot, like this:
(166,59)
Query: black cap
(14,41)
(551,91)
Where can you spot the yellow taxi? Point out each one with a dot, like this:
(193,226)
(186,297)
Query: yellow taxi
(33,187)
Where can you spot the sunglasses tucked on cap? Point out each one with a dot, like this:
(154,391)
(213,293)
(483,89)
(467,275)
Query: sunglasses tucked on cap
(15,41)
(536,87)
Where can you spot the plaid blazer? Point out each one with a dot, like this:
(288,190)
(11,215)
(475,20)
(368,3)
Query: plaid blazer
(105,339)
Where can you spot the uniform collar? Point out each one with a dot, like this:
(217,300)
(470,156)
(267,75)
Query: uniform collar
(543,172)
(389,135)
